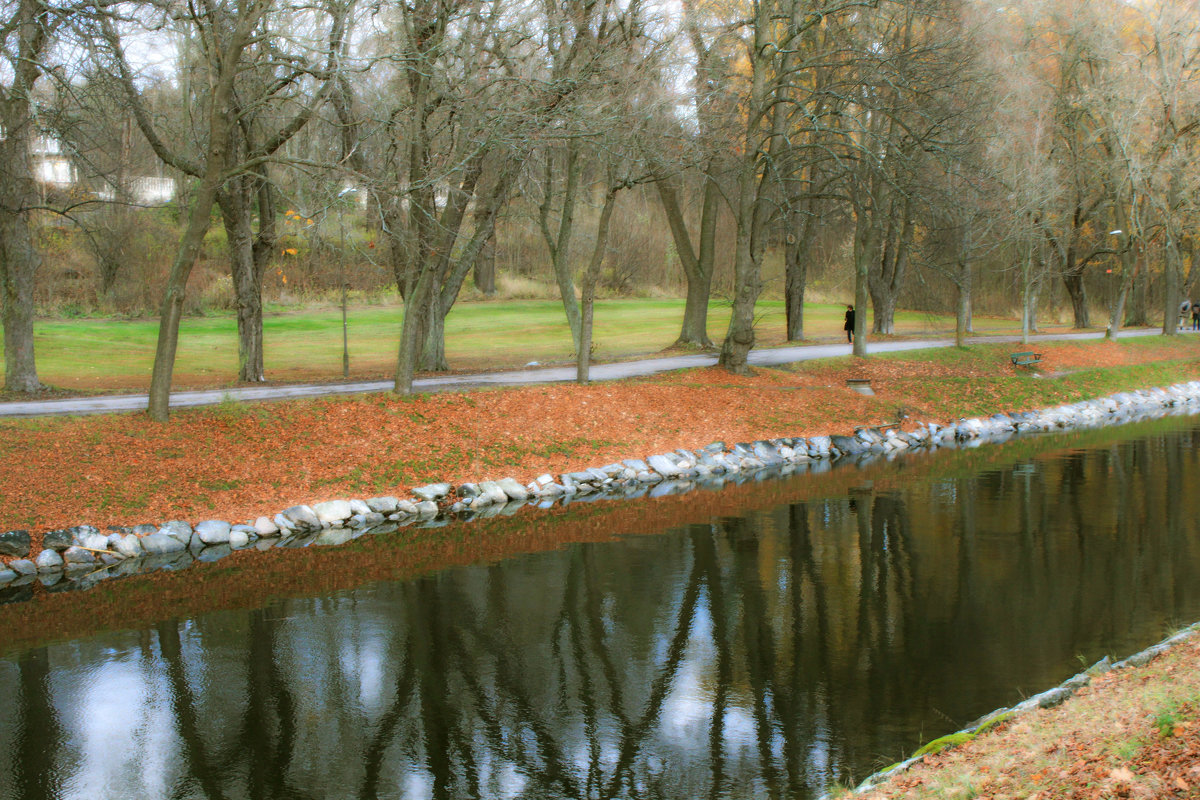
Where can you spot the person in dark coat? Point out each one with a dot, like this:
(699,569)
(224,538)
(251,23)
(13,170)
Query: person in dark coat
(849,326)
(1196,316)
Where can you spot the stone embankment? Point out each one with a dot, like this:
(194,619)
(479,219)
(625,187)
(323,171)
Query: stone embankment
(81,556)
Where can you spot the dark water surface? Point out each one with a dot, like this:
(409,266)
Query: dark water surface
(765,655)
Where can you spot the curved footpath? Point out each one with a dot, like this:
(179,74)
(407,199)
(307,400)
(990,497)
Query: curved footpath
(600,372)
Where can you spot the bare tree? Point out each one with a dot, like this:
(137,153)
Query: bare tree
(229,43)
(773,58)
(27,34)
(444,143)
(708,151)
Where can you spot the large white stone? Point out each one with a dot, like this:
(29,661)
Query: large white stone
(129,546)
(491,494)
(434,491)
(213,531)
(266,527)
(49,561)
(94,541)
(160,543)
(333,511)
(301,517)
(178,530)
(78,555)
(383,505)
(663,466)
(513,490)
(23,566)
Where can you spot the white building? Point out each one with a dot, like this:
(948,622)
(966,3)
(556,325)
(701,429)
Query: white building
(51,166)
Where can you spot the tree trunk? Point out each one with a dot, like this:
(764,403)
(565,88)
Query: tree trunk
(1026,292)
(866,250)
(559,242)
(172,307)
(694,330)
(739,339)
(413,330)
(177,288)
(887,278)
(234,202)
(795,283)
(1073,281)
(883,313)
(190,243)
(433,359)
(962,308)
(796,257)
(1171,275)
(265,241)
(216,162)
(583,359)
(750,245)
(1128,275)
(697,266)
(590,278)
(18,265)
(1035,289)
(485,267)
(19,260)
(432,245)
(247,283)
(1139,307)
(451,274)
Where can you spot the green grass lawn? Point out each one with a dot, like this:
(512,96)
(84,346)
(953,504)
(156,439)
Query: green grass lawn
(105,353)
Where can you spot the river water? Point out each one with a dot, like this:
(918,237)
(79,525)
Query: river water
(764,654)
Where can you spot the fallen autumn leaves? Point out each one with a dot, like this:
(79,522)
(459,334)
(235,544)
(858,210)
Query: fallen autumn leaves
(239,461)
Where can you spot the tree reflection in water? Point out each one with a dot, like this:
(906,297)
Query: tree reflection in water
(760,656)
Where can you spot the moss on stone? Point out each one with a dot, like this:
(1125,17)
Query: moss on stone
(992,722)
(945,743)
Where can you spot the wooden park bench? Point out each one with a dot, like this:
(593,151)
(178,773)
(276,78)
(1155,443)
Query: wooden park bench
(1025,359)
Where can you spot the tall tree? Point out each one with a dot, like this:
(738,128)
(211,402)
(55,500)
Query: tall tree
(715,102)
(772,61)
(444,143)
(598,48)
(227,38)
(27,34)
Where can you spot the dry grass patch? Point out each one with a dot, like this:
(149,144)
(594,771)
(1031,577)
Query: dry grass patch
(1133,733)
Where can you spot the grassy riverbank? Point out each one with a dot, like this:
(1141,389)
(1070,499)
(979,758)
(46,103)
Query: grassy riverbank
(306,345)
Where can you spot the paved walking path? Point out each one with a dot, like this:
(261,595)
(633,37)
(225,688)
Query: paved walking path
(600,372)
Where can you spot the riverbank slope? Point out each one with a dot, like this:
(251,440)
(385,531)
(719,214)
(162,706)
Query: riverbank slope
(1129,733)
(237,461)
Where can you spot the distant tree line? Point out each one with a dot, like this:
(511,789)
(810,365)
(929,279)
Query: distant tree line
(923,148)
